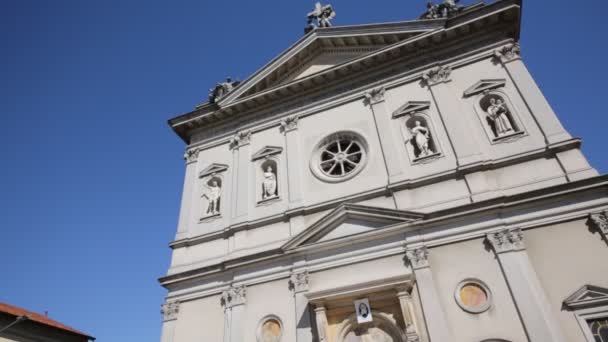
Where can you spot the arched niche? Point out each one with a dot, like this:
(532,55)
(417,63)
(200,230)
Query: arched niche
(269,184)
(499,116)
(383,328)
(213,186)
(420,137)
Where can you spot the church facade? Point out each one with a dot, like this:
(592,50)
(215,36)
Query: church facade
(404,181)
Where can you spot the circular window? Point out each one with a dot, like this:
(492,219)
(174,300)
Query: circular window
(339,157)
(270,330)
(473,296)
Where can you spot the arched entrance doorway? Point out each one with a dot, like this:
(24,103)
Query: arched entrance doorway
(382,329)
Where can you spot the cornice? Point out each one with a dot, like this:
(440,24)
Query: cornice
(437,228)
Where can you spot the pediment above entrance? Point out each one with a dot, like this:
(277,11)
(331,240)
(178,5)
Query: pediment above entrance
(349,220)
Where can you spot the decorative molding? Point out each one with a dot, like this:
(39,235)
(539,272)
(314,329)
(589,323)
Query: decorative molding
(440,74)
(586,297)
(299,282)
(507,240)
(290,123)
(170,311)
(213,170)
(241,138)
(508,53)
(484,86)
(191,155)
(600,222)
(234,296)
(411,107)
(266,152)
(418,258)
(375,96)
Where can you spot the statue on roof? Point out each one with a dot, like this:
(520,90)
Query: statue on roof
(323,14)
(446,9)
(222,89)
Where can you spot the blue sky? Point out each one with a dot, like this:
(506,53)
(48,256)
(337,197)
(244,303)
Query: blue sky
(91,174)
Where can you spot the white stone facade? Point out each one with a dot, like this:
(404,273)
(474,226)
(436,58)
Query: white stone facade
(310,186)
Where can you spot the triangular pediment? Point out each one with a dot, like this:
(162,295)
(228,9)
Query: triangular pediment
(411,107)
(349,220)
(213,169)
(484,85)
(587,296)
(266,152)
(325,48)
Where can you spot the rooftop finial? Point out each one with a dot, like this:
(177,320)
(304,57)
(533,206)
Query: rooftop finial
(445,10)
(323,14)
(222,89)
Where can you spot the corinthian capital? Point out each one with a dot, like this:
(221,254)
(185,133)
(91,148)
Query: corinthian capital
(241,138)
(375,96)
(191,155)
(299,282)
(418,258)
(440,74)
(600,222)
(507,240)
(290,123)
(234,296)
(508,53)
(169,311)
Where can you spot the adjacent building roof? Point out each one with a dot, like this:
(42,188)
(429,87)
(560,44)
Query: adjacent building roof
(40,319)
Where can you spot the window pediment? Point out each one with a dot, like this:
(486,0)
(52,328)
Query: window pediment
(587,296)
(484,85)
(212,170)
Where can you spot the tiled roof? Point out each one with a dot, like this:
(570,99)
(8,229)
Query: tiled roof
(38,318)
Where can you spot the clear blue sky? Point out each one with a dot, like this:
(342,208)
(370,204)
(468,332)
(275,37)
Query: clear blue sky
(91,174)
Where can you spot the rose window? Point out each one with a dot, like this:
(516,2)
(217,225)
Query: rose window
(339,157)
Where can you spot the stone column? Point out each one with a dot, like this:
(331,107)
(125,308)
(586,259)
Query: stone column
(169,311)
(289,126)
(433,312)
(456,119)
(299,286)
(510,57)
(321,320)
(188,193)
(242,169)
(233,300)
(412,326)
(384,129)
(530,299)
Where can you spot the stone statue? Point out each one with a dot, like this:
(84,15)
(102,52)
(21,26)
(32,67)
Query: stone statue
(323,14)
(499,114)
(269,185)
(447,9)
(422,139)
(213,196)
(222,89)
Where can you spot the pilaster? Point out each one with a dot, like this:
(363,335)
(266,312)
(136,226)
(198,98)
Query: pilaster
(510,58)
(298,284)
(532,304)
(382,118)
(241,145)
(412,326)
(456,119)
(185,212)
(289,126)
(429,297)
(169,312)
(321,320)
(234,300)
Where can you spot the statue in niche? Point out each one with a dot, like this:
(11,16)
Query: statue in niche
(213,196)
(269,185)
(422,138)
(499,115)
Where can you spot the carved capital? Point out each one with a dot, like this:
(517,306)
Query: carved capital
(375,96)
(241,138)
(440,74)
(508,53)
(234,296)
(191,155)
(299,282)
(169,311)
(507,240)
(290,123)
(600,222)
(418,258)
